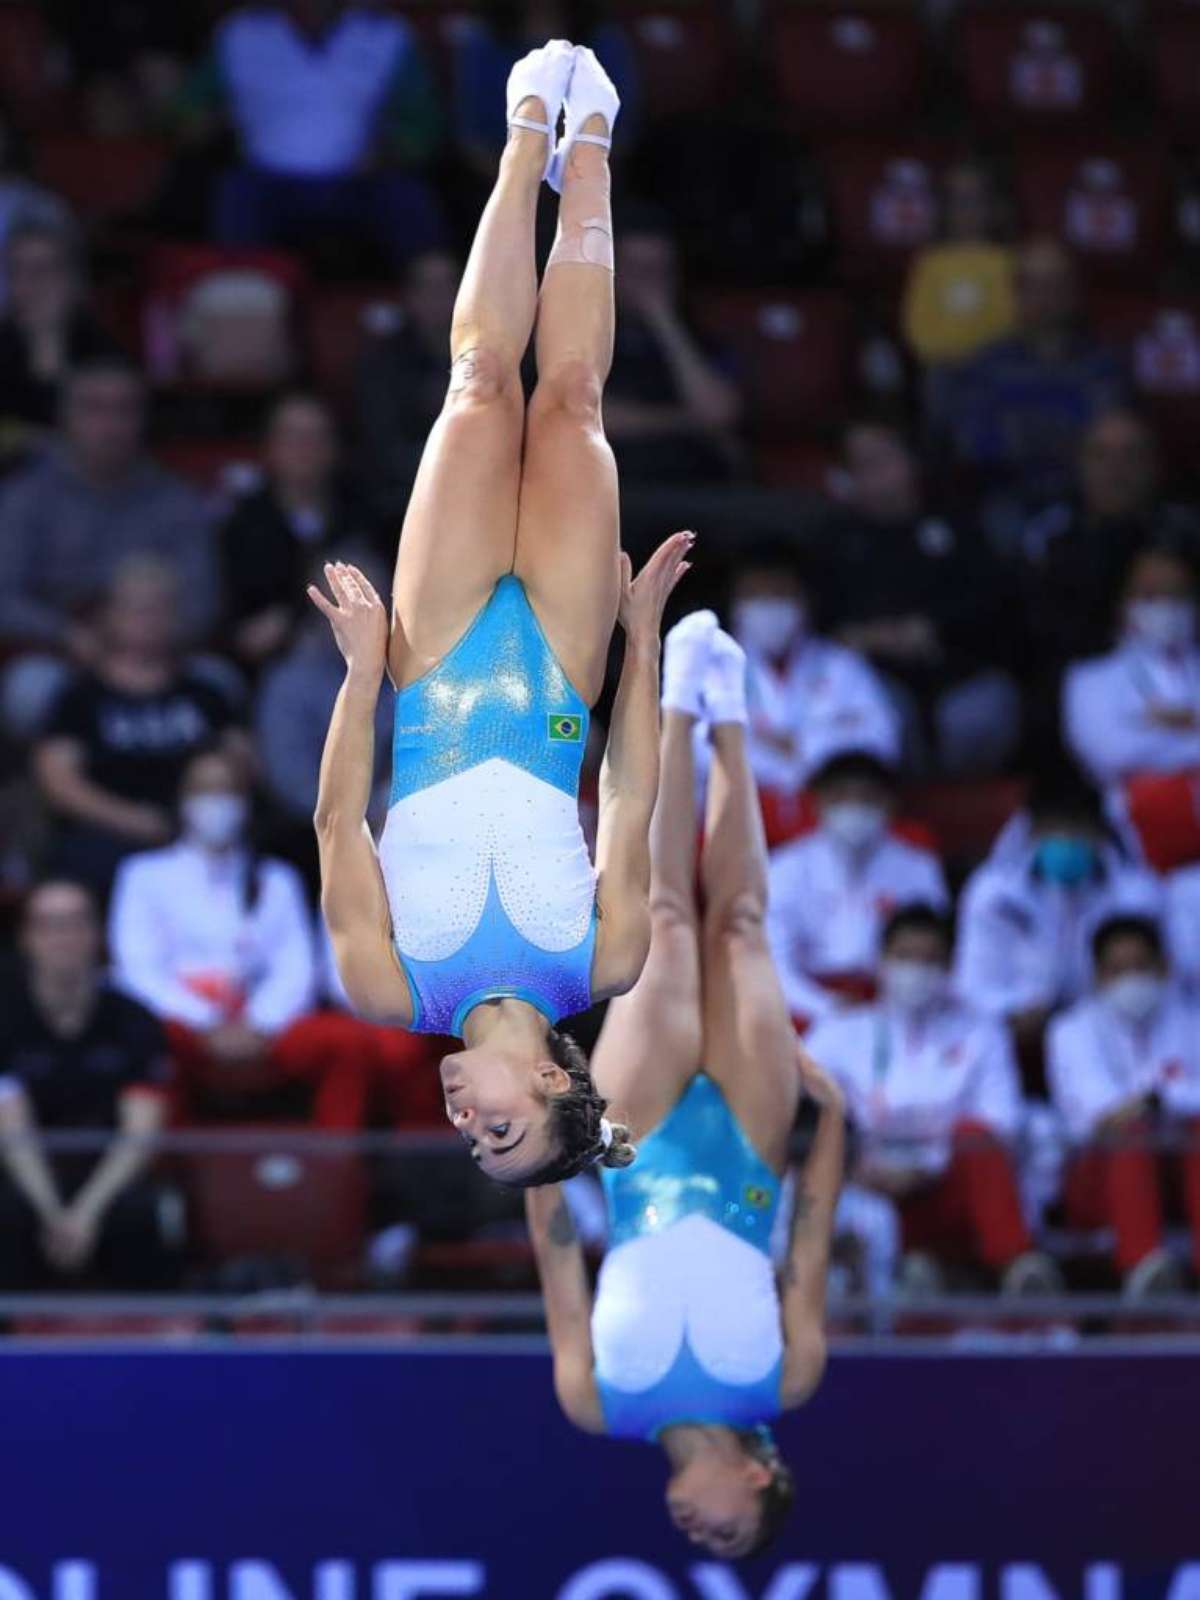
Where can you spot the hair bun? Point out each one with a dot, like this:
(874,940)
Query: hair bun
(622,1151)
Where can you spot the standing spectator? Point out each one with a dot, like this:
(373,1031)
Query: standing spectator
(402,381)
(1123,1065)
(808,697)
(269,541)
(832,891)
(1028,914)
(335,114)
(670,413)
(118,737)
(77,1055)
(1014,413)
(959,294)
(926,605)
(932,1090)
(218,942)
(69,521)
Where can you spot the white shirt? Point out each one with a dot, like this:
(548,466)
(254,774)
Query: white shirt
(1182,919)
(185,944)
(1023,942)
(307,107)
(1097,1061)
(909,1081)
(1106,712)
(826,910)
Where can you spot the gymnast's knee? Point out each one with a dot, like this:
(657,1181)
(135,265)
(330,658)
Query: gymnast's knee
(572,390)
(736,919)
(481,375)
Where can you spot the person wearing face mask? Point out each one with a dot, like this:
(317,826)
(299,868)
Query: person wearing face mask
(808,696)
(833,889)
(932,1088)
(1124,1066)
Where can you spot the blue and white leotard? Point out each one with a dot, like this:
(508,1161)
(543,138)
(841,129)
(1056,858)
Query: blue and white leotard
(686,1323)
(487,872)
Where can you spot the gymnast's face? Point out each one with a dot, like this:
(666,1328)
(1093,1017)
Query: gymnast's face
(498,1102)
(714,1501)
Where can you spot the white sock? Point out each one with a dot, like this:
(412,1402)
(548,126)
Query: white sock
(725,682)
(685,663)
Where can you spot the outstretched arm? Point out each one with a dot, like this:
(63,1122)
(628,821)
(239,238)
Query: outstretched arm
(805,1274)
(352,891)
(568,1300)
(629,775)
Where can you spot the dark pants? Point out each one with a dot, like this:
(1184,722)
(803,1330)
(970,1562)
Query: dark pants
(133,1250)
(396,209)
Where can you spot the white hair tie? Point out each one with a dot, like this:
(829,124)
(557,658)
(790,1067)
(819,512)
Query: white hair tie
(606,1133)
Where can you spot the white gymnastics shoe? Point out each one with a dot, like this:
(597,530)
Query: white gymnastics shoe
(544,75)
(686,653)
(725,681)
(590,93)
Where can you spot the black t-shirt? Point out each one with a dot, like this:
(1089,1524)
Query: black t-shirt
(33,399)
(137,745)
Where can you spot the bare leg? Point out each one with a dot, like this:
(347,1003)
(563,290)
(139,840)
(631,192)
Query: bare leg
(749,1042)
(649,1048)
(460,531)
(568,531)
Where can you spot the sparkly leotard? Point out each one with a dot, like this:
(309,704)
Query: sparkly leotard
(488,878)
(686,1324)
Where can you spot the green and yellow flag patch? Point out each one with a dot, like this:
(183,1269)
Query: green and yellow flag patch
(565,729)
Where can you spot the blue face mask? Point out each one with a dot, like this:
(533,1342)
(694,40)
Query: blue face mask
(1063,858)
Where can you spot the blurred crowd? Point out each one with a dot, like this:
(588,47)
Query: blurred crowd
(907,329)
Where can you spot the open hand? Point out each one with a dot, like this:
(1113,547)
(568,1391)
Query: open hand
(357,617)
(644,598)
(70,1238)
(818,1085)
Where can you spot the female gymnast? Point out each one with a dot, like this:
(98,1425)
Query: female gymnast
(691,1341)
(480,915)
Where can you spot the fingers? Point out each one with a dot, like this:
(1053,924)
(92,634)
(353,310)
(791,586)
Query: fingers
(366,587)
(323,606)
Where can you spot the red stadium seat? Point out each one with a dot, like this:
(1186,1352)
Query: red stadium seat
(1031,63)
(217,466)
(1173,40)
(965,818)
(173,1327)
(1108,199)
(884,201)
(846,69)
(340,322)
(810,464)
(685,53)
(101,178)
(1161,335)
(794,352)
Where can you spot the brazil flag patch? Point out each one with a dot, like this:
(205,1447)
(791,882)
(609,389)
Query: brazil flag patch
(564,730)
(757,1197)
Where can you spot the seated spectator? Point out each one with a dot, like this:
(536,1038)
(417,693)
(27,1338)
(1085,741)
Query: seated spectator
(69,521)
(1124,1065)
(670,414)
(402,381)
(45,331)
(1182,921)
(270,539)
(21,200)
(932,1090)
(808,696)
(1014,413)
(1136,710)
(832,891)
(218,942)
(959,294)
(1028,914)
(117,739)
(926,606)
(319,91)
(77,1055)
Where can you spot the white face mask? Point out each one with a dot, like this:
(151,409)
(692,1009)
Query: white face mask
(769,626)
(1136,996)
(854,824)
(1165,624)
(215,820)
(912,985)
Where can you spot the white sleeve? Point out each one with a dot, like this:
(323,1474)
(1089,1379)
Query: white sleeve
(140,953)
(1183,926)
(995,1096)
(1109,730)
(984,971)
(1080,1088)
(804,996)
(287,986)
(933,886)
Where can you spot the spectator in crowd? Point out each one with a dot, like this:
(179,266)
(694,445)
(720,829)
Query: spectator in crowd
(1014,413)
(117,739)
(959,294)
(402,381)
(670,414)
(335,114)
(932,1091)
(218,942)
(926,606)
(1137,709)
(832,891)
(270,539)
(75,1054)
(45,331)
(1028,914)
(808,696)
(1124,1065)
(1182,922)
(21,200)
(69,521)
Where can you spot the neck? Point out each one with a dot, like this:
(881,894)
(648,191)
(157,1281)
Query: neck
(507,1024)
(684,1441)
(127,670)
(302,496)
(64,996)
